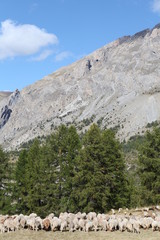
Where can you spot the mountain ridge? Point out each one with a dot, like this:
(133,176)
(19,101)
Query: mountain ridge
(117,85)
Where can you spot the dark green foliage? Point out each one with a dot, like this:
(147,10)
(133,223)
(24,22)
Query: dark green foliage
(152,124)
(115,174)
(34,178)
(149,167)
(5,186)
(133,144)
(130,150)
(99,122)
(29,174)
(66,145)
(86,189)
(100,182)
(44,173)
(88,173)
(20,188)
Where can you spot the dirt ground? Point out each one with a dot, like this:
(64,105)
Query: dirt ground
(42,235)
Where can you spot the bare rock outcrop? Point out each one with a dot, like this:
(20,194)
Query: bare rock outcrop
(118,85)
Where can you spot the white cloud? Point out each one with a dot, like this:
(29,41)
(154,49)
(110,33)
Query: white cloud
(156,6)
(42,56)
(63,55)
(23,40)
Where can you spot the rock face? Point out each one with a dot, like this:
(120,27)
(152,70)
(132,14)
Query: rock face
(7,109)
(117,85)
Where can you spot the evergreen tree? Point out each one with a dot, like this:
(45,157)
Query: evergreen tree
(149,168)
(63,176)
(51,175)
(113,166)
(100,182)
(44,173)
(20,186)
(65,144)
(5,190)
(89,185)
(30,177)
(34,179)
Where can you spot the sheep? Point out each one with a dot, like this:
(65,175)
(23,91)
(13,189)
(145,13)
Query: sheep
(95,224)
(22,221)
(63,225)
(2,228)
(33,215)
(91,215)
(31,223)
(154,225)
(123,224)
(38,223)
(82,224)
(113,224)
(55,223)
(9,224)
(16,222)
(135,225)
(129,226)
(50,216)
(89,226)
(83,215)
(3,218)
(103,224)
(146,222)
(71,226)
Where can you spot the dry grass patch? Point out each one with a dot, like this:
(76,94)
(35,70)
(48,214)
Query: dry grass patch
(42,235)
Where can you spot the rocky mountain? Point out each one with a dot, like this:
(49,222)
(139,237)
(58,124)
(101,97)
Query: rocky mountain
(7,108)
(117,86)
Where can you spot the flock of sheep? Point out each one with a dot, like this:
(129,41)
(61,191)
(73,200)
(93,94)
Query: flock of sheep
(131,222)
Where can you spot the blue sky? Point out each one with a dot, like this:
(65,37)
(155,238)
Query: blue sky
(38,37)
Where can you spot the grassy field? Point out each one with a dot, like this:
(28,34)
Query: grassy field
(42,235)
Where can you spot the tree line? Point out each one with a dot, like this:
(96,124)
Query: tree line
(75,173)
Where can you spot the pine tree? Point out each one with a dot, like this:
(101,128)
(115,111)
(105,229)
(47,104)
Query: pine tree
(100,181)
(5,190)
(44,173)
(113,166)
(20,186)
(30,177)
(51,176)
(65,145)
(34,179)
(149,168)
(62,175)
(88,187)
